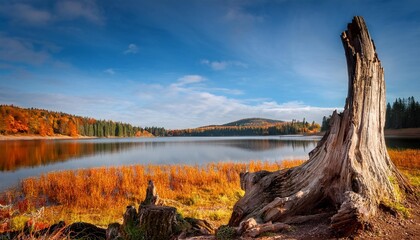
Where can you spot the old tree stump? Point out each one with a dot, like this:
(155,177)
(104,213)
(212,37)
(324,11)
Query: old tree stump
(153,221)
(349,173)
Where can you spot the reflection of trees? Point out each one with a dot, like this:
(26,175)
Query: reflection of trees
(17,154)
(267,144)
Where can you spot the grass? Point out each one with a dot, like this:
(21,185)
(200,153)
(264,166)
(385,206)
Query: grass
(405,158)
(100,195)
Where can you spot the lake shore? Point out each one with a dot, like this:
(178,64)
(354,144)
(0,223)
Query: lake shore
(403,133)
(394,133)
(38,137)
(55,137)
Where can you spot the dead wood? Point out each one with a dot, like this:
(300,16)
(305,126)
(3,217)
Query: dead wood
(349,171)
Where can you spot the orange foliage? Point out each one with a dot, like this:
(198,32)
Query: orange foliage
(408,158)
(19,154)
(72,129)
(15,120)
(102,187)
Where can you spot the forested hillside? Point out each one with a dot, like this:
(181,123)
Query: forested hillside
(248,127)
(16,120)
(258,122)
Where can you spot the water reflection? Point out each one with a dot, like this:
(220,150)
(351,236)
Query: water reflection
(17,154)
(23,154)
(22,159)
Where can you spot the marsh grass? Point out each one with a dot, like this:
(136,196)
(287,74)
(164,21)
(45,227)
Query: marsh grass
(100,195)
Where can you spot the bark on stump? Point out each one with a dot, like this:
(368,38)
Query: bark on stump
(158,222)
(349,171)
(154,221)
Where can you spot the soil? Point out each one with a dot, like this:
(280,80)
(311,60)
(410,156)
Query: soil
(386,225)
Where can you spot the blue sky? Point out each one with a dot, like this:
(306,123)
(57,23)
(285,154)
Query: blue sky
(180,64)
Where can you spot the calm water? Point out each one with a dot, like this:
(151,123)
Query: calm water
(23,158)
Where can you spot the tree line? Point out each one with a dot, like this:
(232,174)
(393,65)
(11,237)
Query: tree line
(16,120)
(293,127)
(403,113)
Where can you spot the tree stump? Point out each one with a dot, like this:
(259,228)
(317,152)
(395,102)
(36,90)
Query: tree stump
(349,172)
(155,221)
(152,197)
(158,222)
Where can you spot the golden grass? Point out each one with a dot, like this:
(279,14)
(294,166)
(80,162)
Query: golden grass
(407,158)
(100,195)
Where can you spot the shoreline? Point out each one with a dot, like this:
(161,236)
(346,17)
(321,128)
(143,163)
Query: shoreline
(38,137)
(391,133)
(403,133)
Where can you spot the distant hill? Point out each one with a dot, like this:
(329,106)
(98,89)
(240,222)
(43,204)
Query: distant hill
(249,127)
(253,122)
(248,122)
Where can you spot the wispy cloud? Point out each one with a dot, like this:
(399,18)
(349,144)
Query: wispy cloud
(24,13)
(110,71)
(189,79)
(221,65)
(70,10)
(131,49)
(239,15)
(182,106)
(19,50)
(178,104)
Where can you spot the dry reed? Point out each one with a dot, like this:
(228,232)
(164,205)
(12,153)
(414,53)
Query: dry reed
(100,195)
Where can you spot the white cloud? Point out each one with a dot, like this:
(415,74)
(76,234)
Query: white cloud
(221,65)
(227,91)
(132,49)
(180,105)
(189,79)
(110,71)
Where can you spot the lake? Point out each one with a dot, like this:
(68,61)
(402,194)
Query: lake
(25,158)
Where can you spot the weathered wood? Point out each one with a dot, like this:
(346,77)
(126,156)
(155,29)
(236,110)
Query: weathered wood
(266,227)
(152,197)
(130,216)
(114,232)
(307,218)
(349,170)
(158,222)
(154,221)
